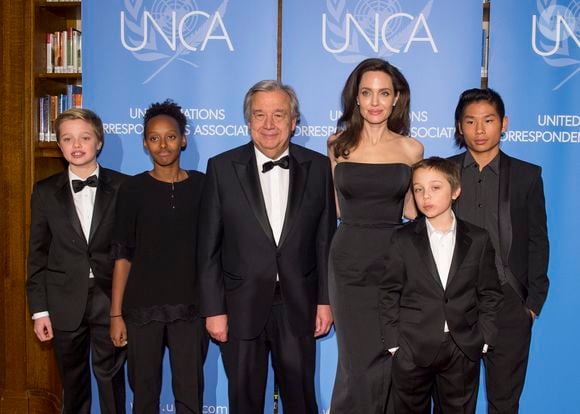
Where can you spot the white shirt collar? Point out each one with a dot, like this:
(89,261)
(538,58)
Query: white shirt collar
(432,230)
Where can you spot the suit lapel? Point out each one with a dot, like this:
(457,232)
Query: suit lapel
(103,199)
(424,249)
(247,172)
(462,244)
(65,199)
(505,223)
(298,176)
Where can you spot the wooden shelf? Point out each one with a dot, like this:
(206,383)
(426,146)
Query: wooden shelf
(60,4)
(47,150)
(61,76)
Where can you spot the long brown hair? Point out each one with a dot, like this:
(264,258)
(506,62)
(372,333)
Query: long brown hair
(350,124)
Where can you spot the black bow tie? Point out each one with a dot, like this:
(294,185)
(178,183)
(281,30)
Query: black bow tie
(78,185)
(283,162)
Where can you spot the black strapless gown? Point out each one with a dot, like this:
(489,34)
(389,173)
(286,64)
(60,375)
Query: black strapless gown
(371,198)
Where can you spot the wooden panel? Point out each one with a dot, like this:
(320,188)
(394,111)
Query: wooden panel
(13,159)
(28,375)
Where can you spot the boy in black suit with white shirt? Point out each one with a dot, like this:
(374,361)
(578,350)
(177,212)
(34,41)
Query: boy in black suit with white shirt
(439,299)
(70,268)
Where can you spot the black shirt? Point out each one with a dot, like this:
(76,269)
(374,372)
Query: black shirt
(156,229)
(479,200)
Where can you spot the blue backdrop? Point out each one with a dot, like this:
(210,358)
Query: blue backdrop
(535,65)
(205,55)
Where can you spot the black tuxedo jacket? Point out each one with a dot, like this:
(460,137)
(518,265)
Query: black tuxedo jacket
(60,257)
(237,255)
(415,306)
(523,233)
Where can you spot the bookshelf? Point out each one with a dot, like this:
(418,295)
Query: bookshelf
(29,380)
(51,17)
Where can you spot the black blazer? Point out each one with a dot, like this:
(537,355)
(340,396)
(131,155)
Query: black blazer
(59,257)
(415,306)
(523,232)
(237,256)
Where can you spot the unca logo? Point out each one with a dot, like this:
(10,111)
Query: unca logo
(556,36)
(373,28)
(170,31)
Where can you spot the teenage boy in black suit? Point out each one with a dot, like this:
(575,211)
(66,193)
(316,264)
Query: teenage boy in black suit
(70,267)
(439,299)
(505,196)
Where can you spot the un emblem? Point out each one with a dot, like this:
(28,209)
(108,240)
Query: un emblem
(171,31)
(556,36)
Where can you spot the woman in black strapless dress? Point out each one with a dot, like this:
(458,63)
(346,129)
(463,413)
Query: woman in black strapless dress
(371,157)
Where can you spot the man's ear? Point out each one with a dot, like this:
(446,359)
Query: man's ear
(504,124)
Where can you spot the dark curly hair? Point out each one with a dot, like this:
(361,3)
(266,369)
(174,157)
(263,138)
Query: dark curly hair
(169,108)
(351,122)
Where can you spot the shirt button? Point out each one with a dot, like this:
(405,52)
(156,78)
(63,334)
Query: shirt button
(480,205)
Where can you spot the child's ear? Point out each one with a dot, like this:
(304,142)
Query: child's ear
(456,194)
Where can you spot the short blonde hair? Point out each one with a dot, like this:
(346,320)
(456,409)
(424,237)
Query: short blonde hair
(83,114)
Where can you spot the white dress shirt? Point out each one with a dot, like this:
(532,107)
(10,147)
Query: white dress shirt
(275,186)
(442,245)
(84,202)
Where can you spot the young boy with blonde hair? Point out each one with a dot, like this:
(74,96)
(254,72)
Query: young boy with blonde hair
(70,268)
(439,299)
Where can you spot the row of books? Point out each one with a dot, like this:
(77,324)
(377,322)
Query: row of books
(63,51)
(62,1)
(50,106)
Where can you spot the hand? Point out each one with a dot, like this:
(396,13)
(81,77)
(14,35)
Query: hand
(118,332)
(323,320)
(43,329)
(217,327)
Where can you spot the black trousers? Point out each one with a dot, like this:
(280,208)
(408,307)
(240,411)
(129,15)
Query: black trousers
(74,350)
(506,365)
(452,379)
(293,360)
(187,343)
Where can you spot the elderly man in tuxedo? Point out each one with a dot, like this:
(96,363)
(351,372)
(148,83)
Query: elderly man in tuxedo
(268,216)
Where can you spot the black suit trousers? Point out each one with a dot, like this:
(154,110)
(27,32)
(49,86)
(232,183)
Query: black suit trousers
(293,360)
(91,341)
(452,379)
(506,365)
